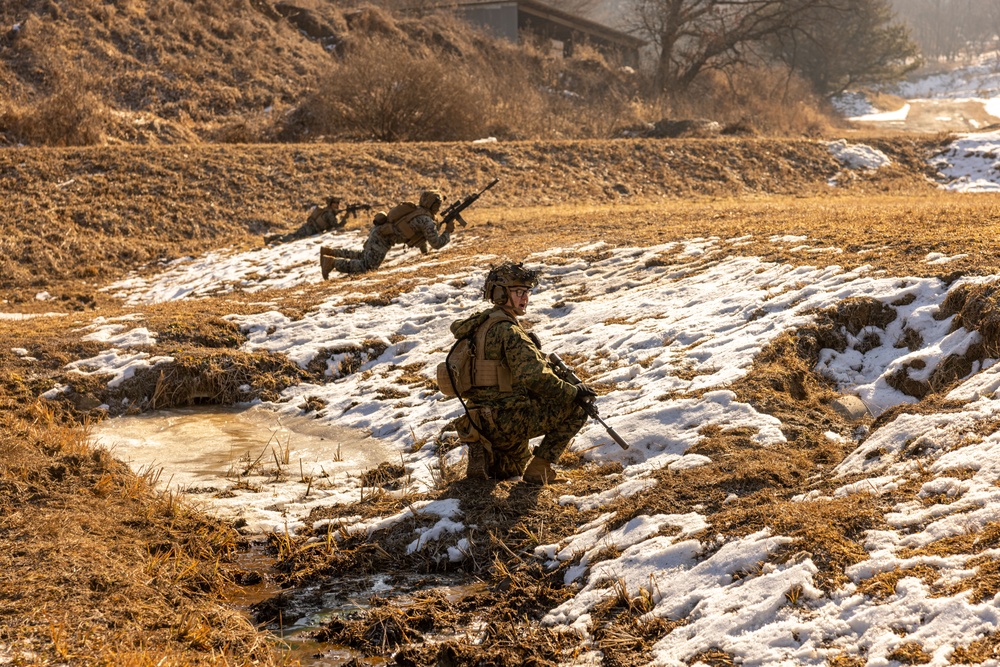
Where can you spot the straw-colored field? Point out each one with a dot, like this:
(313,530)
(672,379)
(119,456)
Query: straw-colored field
(98,568)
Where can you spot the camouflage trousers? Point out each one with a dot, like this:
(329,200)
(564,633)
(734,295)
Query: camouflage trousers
(510,425)
(368,258)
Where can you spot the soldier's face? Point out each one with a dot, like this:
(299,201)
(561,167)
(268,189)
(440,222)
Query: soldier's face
(518,299)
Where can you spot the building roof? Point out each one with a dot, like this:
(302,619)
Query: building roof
(560,17)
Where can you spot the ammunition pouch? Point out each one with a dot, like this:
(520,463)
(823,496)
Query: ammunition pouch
(468,427)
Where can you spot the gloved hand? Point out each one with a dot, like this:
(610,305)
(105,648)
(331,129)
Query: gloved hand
(585,395)
(450,227)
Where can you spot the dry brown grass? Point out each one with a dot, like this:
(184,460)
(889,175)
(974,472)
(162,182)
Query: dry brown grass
(626,640)
(151,71)
(89,213)
(167,72)
(978,651)
(407,97)
(466,88)
(883,585)
(754,100)
(70,115)
(245,71)
(105,570)
(910,653)
(511,519)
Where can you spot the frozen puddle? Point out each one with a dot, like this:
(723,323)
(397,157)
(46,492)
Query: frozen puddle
(262,471)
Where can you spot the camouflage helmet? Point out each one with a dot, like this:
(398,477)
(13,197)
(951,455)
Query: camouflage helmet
(505,275)
(429,199)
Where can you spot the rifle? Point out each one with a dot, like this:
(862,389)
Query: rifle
(454,212)
(567,374)
(351,210)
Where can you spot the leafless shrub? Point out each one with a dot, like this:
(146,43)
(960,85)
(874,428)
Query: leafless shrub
(444,86)
(592,97)
(70,115)
(382,92)
(762,99)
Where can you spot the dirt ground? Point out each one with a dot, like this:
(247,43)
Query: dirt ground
(933,116)
(99,568)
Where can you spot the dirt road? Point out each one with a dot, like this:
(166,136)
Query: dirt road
(934,116)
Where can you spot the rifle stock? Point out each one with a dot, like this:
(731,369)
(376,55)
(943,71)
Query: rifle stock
(567,374)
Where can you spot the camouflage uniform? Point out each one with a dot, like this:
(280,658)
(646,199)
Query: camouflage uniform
(321,219)
(540,403)
(381,239)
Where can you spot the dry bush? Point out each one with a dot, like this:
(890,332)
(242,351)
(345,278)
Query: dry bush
(756,99)
(439,79)
(516,109)
(71,116)
(427,94)
(59,106)
(592,98)
(382,92)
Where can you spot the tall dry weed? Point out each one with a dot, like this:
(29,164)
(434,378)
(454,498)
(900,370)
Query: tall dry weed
(60,107)
(386,92)
(71,115)
(447,88)
(762,99)
(592,96)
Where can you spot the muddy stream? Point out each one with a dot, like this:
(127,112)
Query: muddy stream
(264,472)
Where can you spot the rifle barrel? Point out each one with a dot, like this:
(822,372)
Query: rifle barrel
(613,433)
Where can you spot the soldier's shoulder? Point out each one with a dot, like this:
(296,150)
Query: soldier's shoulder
(510,330)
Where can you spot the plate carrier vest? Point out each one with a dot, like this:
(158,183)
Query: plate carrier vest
(468,365)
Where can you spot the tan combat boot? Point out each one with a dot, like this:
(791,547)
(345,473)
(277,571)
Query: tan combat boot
(539,471)
(325,262)
(476,467)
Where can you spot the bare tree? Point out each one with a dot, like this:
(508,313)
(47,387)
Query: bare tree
(846,43)
(949,29)
(691,36)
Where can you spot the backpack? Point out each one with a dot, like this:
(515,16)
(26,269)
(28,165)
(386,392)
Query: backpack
(399,217)
(466,366)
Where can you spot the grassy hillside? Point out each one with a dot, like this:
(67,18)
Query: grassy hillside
(88,72)
(85,214)
(77,71)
